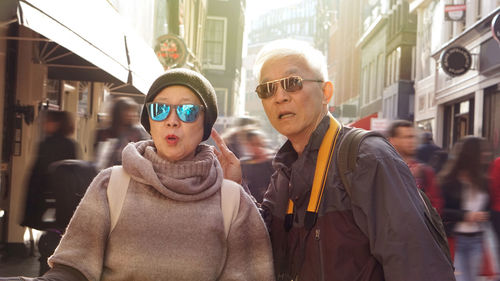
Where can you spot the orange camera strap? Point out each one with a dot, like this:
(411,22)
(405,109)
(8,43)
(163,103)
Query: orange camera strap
(325,156)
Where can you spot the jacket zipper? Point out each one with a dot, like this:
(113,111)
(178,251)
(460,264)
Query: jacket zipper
(317,237)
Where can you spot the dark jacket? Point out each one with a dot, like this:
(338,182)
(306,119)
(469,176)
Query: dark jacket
(51,149)
(452,209)
(377,234)
(132,134)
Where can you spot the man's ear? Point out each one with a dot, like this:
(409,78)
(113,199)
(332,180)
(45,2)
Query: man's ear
(327,91)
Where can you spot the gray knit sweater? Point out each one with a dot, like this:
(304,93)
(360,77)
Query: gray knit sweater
(170,227)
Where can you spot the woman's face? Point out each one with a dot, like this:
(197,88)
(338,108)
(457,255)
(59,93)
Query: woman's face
(174,139)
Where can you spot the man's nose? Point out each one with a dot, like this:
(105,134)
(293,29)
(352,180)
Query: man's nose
(281,95)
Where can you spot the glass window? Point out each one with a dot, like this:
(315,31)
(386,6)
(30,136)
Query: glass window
(380,75)
(373,80)
(54,91)
(397,64)
(215,43)
(161,22)
(221,101)
(85,98)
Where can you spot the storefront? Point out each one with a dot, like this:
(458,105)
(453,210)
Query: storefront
(60,54)
(466,86)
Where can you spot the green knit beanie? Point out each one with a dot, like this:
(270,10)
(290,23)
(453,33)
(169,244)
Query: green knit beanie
(194,81)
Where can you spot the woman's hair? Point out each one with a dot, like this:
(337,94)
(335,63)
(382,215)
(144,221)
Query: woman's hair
(471,154)
(66,124)
(120,106)
(314,59)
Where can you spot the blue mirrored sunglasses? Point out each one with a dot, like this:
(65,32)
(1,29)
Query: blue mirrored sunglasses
(187,113)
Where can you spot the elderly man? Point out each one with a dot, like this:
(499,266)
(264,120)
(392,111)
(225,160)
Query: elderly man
(378,230)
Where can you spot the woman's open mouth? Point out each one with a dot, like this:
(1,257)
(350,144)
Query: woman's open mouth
(172,139)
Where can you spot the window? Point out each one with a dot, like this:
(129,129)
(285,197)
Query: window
(365,84)
(85,98)
(380,75)
(214,47)
(373,81)
(54,92)
(222,101)
(478,9)
(397,66)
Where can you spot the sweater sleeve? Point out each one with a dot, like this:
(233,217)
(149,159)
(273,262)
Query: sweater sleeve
(57,273)
(82,247)
(387,208)
(249,256)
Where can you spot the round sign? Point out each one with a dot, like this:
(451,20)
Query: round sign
(171,51)
(456,61)
(495,27)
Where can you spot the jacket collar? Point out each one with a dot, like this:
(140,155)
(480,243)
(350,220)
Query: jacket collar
(293,166)
(287,155)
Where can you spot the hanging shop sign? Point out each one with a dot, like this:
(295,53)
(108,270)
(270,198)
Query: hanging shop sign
(495,27)
(456,61)
(454,12)
(171,51)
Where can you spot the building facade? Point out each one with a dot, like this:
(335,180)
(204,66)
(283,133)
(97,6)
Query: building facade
(308,21)
(49,60)
(398,93)
(372,44)
(465,103)
(222,52)
(344,59)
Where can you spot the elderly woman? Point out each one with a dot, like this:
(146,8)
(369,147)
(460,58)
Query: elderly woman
(171,224)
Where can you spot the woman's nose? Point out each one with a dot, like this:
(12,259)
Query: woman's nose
(172,119)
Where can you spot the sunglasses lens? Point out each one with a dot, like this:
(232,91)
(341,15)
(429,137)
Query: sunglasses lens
(265,90)
(292,84)
(188,112)
(158,111)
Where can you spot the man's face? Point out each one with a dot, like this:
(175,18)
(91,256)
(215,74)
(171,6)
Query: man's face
(405,141)
(294,114)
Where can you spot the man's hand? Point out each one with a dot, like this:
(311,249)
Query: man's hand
(229,162)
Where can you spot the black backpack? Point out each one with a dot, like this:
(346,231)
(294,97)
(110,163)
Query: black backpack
(69,180)
(346,162)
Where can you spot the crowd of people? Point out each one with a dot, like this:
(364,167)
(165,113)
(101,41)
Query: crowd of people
(244,211)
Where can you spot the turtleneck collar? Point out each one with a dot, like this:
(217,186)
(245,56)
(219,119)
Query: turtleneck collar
(188,180)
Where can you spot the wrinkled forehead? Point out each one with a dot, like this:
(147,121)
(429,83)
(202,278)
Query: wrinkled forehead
(280,67)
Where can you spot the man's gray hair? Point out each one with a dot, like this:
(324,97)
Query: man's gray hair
(291,47)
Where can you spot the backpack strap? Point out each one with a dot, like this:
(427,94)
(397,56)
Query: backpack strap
(348,153)
(118,186)
(230,203)
(117,189)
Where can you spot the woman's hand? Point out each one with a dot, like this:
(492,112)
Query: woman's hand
(476,216)
(229,162)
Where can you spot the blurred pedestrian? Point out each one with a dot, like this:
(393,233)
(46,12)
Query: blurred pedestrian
(123,128)
(172,224)
(495,198)
(402,135)
(236,136)
(464,185)
(256,165)
(57,126)
(431,154)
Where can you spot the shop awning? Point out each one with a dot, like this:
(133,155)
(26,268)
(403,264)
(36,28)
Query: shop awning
(90,42)
(363,123)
